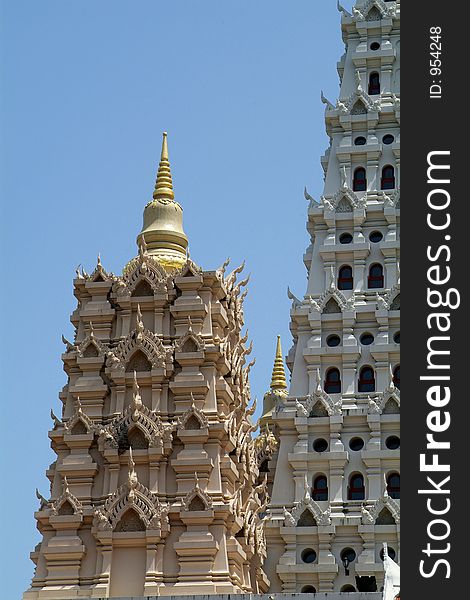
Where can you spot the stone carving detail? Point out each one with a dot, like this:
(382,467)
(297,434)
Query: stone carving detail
(91,342)
(136,416)
(358,103)
(343,303)
(192,415)
(392,200)
(66,498)
(132,495)
(369,516)
(79,417)
(99,274)
(145,341)
(265,445)
(388,301)
(374,10)
(196,493)
(322,517)
(184,343)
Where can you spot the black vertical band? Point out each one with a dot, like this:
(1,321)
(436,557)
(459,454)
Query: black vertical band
(434,242)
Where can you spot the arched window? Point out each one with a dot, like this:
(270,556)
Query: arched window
(356,489)
(345,278)
(388,178)
(374,84)
(376,276)
(333,381)
(308,589)
(360,180)
(320,488)
(348,588)
(396,376)
(366,380)
(393,485)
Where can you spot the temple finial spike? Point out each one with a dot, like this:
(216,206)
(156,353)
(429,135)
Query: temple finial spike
(164,183)
(278,379)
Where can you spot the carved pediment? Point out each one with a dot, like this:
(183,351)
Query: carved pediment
(196,499)
(145,343)
(190,269)
(383,505)
(320,397)
(79,422)
(375,10)
(332,298)
(190,341)
(321,517)
(358,103)
(142,275)
(137,424)
(344,200)
(99,274)
(132,495)
(387,402)
(193,419)
(66,503)
(91,346)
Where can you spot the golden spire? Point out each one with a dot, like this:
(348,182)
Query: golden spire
(162,235)
(278,379)
(164,183)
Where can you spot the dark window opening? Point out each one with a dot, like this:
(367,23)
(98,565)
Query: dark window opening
(345,278)
(360,180)
(333,381)
(366,380)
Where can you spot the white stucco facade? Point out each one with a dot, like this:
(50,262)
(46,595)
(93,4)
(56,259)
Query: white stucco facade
(339,425)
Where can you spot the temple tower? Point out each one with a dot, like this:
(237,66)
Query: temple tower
(156,487)
(336,490)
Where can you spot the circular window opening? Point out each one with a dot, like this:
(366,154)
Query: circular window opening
(376,237)
(366,339)
(320,445)
(348,555)
(356,444)
(308,555)
(360,141)
(375,46)
(333,340)
(391,553)
(392,442)
(388,139)
(396,337)
(308,589)
(345,238)
(348,588)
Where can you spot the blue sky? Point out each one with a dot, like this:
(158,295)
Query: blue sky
(88,87)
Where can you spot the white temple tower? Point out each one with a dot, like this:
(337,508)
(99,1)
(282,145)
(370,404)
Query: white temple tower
(336,490)
(156,488)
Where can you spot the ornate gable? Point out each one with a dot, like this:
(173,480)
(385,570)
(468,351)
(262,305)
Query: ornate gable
(132,495)
(66,499)
(374,10)
(322,517)
(205,501)
(190,341)
(79,418)
(140,339)
(192,419)
(136,417)
(98,349)
(370,516)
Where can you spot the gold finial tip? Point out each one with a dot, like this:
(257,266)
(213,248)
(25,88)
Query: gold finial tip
(278,379)
(165,134)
